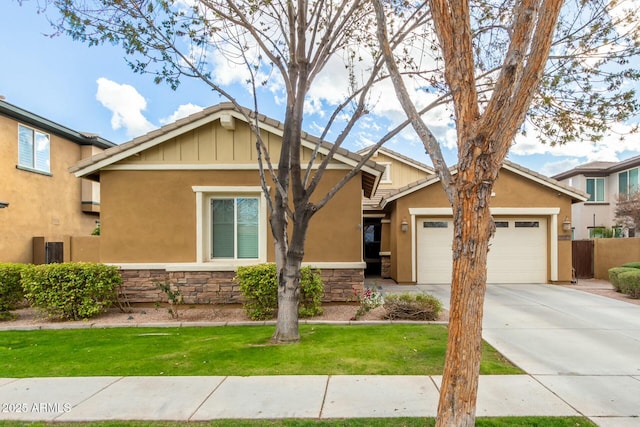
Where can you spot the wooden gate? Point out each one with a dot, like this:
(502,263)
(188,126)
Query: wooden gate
(582,258)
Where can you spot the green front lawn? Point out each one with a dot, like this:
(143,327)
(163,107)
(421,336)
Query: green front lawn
(237,351)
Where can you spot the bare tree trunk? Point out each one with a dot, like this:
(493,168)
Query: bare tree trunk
(287,330)
(472,231)
(287,325)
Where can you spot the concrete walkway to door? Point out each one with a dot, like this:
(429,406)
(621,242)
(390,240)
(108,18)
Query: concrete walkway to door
(585,348)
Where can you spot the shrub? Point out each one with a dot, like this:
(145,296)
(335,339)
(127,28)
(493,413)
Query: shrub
(630,283)
(10,288)
(614,273)
(311,290)
(412,307)
(259,286)
(369,300)
(174,297)
(635,264)
(71,290)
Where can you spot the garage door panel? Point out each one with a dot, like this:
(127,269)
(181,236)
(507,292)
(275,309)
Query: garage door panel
(434,249)
(517,253)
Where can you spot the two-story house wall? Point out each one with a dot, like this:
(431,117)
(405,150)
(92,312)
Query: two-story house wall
(604,182)
(38,194)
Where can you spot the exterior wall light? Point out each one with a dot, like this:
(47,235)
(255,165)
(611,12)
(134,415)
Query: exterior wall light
(4,204)
(566,224)
(404,225)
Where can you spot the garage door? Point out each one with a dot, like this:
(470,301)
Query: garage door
(518,251)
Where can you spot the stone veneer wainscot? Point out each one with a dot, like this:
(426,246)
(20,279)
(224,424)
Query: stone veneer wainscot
(218,287)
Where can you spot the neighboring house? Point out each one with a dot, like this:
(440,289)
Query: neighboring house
(532,240)
(603,182)
(184,204)
(40,197)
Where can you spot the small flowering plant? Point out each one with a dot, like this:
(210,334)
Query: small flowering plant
(368,300)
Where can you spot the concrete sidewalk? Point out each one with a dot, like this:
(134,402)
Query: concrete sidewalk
(262,397)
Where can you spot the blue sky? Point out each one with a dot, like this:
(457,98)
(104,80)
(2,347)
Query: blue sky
(94,90)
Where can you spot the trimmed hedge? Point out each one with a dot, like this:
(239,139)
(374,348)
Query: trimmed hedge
(259,286)
(71,290)
(635,264)
(11,292)
(614,274)
(630,283)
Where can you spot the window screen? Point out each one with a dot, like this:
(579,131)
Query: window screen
(234,228)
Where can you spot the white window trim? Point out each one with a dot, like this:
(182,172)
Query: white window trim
(386,176)
(595,188)
(33,154)
(631,187)
(203,194)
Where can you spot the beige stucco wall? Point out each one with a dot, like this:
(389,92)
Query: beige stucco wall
(511,190)
(150,216)
(39,205)
(83,248)
(148,206)
(609,253)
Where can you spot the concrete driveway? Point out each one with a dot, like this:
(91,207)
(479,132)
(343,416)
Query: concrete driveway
(583,347)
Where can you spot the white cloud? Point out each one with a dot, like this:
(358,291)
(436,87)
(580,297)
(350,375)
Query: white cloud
(183,111)
(126,106)
(554,168)
(608,149)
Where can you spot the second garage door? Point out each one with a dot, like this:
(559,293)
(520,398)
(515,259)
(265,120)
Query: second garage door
(518,251)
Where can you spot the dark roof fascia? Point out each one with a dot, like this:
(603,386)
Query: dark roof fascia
(596,172)
(588,171)
(625,164)
(32,119)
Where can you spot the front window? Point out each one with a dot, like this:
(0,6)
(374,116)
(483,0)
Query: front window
(235,228)
(628,181)
(595,189)
(33,149)
(230,225)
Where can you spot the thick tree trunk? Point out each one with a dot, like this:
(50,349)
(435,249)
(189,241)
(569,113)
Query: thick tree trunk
(473,228)
(287,330)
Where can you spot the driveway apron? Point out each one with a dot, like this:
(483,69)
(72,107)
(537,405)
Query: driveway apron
(583,347)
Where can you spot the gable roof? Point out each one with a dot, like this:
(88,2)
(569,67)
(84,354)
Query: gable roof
(575,194)
(26,117)
(401,158)
(599,168)
(226,113)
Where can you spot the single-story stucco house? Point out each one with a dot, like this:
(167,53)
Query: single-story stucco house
(162,194)
(184,204)
(532,243)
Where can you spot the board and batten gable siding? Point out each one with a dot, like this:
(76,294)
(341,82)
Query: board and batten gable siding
(512,191)
(213,144)
(401,173)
